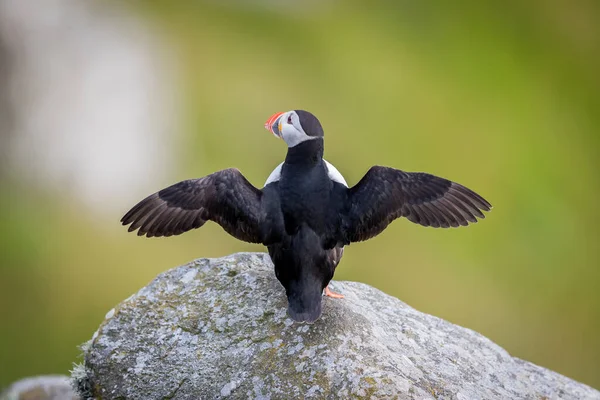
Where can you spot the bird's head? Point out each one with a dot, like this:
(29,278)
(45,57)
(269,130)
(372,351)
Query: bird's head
(295,126)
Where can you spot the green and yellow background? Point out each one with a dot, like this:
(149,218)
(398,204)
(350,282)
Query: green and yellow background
(502,97)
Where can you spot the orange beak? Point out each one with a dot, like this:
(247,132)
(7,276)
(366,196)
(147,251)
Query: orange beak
(272,124)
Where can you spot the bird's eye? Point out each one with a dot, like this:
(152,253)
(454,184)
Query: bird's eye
(290,120)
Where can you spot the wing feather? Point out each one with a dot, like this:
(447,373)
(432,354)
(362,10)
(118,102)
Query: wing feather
(225,197)
(431,217)
(153,215)
(385,194)
(444,221)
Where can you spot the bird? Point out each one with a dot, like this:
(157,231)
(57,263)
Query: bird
(305,214)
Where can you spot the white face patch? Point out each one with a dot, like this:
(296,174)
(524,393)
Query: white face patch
(291,130)
(332,172)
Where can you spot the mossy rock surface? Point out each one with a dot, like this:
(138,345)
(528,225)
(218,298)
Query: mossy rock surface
(217,328)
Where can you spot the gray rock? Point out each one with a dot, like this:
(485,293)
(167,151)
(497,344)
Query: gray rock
(49,387)
(217,328)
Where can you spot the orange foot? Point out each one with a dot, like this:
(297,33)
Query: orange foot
(329,293)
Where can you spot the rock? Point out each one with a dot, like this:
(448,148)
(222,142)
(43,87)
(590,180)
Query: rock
(217,328)
(50,387)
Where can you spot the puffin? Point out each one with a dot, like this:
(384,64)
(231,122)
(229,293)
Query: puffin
(305,213)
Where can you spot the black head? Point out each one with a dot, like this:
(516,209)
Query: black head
(310,123)
(295,126)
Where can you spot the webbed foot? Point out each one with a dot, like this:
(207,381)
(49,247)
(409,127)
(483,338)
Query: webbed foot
(327,292)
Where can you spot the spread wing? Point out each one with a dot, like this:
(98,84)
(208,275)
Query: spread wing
(225,197)
(385,194)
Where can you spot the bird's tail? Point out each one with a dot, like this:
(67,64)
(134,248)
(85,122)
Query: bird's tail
(305,305)
(308,269)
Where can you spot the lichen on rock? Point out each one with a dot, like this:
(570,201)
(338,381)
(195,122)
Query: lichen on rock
(217,328)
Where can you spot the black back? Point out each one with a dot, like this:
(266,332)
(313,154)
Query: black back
(305,187)
(303,263)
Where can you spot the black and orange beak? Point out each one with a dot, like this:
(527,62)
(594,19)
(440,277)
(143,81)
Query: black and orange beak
(273,124)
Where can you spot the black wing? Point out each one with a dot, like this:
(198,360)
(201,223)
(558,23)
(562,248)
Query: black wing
(385,194)
(225,197)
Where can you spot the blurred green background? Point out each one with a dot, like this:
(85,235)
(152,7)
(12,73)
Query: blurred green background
(501,97)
